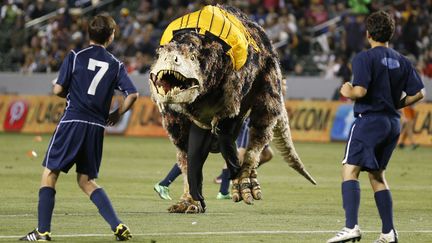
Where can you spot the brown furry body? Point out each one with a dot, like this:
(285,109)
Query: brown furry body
(226,92)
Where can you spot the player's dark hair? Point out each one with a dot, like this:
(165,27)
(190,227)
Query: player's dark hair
(380,26)
(100,28)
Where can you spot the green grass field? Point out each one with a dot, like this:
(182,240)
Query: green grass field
(293,210)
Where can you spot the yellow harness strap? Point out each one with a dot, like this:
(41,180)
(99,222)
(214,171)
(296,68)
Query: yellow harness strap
(219,23)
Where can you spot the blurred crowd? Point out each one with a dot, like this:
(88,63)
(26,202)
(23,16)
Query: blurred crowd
(313,37)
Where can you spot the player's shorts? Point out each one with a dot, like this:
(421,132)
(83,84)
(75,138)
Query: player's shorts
(243,137)
(372,140)
(79,143)
(408,113)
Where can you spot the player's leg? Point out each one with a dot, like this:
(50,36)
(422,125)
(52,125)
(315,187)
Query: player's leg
(383,198)
(162,187)
(350,194)
(384,203)
(46,199)
(102,202)
(218,179)
(57,158)
(88,161)
(45,207)
(99,198)
(351,203)
(266,155)
(225,183)
(355,153)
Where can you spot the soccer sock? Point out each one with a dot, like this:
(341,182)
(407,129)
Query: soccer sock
(224,187)
(102,202)
(351,202)
(172,175)
(383,200)
(45,208)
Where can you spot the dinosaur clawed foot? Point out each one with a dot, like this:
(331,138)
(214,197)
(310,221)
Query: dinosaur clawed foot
(235,191)
(187,206)
(246,189)
(256,189)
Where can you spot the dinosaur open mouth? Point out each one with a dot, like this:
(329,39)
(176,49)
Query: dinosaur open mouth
(169,82)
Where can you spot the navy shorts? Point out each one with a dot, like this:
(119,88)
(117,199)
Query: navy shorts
(243,137)
(372,140)
(79,143)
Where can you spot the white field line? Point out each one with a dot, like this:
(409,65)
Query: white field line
(261,232)
(92,214)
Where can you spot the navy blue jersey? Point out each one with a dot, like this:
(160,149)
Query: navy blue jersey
(90,76)
(385,74)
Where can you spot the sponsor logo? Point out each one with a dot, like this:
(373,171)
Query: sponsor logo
(342,123)
(16,116)
(391,63)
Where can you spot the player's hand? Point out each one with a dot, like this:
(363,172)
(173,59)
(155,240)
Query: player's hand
(346,90)
(113,117)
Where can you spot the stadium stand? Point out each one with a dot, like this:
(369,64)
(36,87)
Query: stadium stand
(312,37)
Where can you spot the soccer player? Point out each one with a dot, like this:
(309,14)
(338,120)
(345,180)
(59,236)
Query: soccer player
(381,77)
(87,79)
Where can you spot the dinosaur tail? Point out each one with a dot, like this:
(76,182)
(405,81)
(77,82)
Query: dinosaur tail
(283,141)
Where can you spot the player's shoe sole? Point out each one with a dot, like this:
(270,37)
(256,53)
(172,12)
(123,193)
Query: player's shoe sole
(35,235)
(221,196)
(122,233)
(162,191)
(347,235)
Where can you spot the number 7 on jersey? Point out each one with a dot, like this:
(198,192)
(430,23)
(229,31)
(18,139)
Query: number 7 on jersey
(97,78)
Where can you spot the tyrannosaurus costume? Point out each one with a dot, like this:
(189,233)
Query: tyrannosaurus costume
(216,64)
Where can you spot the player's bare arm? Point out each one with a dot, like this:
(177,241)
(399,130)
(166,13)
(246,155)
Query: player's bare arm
(356,92)
(115,115)
(59,90)
(411,99)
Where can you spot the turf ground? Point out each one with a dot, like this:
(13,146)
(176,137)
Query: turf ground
(292,210)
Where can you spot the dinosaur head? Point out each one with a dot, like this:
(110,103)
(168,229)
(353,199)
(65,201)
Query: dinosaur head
(186,67)
(176,77)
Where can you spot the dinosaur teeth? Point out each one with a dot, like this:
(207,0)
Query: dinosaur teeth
(170,93)
(175,90)
(176,74)
(160,74)
(160,90)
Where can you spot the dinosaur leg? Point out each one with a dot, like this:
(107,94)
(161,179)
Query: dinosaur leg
(255,186)
(198,150)
(228,148)
(248,166)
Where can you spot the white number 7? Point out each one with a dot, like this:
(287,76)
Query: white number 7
(97,78)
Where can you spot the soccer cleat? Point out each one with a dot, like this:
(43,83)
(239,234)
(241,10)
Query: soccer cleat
(122,233)
(35,235)
(162,191)
(221,196)
(390,237)
(346,235)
